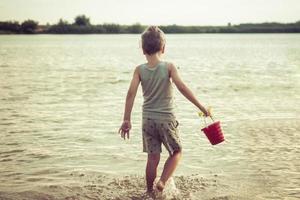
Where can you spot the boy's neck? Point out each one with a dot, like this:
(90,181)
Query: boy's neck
(153,59)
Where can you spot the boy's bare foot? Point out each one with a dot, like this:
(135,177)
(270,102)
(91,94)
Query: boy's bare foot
(160,186)
(150,191)
(148,195)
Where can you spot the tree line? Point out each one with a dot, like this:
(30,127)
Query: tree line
(82,25)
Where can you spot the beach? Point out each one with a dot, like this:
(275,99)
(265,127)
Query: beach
(62,101)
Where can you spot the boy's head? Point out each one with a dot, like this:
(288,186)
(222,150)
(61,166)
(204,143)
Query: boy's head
(153,40)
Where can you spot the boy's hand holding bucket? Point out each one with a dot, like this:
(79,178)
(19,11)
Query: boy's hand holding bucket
(213,131)
(205,112)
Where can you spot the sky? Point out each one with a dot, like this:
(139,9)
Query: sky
(155,12)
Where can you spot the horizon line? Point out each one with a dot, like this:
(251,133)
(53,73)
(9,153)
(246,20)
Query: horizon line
(139,23)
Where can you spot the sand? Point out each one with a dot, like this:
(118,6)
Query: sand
(269,169)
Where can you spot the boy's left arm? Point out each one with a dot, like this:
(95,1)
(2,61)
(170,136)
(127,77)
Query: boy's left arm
(126,126)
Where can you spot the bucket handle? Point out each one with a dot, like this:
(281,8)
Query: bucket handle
(204,119)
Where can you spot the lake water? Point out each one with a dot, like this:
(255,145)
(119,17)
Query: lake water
(62,100)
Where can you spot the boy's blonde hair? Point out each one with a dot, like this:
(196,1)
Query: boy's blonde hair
(153,40)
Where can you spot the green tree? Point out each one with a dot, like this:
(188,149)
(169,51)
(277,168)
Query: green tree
(135,28)
(61,27)
(112,28)
(62,22)
(10,26)
(82,20)
(29,26)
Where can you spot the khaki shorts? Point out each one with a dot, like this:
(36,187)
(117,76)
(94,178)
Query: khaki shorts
(157,132)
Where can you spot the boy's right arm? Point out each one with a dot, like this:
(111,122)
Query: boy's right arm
(135,81)
(126,125)
(184,89)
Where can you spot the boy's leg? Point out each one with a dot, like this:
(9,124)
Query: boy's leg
(170,138)
(151,169)
(169,167)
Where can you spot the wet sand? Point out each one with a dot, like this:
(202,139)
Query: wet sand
(269,169)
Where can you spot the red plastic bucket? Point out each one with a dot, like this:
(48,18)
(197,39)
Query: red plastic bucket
(214,132)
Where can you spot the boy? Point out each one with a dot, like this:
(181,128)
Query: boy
(159,122)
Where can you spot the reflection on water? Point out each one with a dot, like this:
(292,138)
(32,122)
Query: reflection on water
(62,100)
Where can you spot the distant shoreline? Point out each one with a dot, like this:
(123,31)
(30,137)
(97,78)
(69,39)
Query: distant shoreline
(20,34)
(82,25)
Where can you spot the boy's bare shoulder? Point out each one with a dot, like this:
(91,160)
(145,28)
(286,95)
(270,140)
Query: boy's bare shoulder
(171,66)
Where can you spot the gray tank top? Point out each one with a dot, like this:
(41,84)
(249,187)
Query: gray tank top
(157,91)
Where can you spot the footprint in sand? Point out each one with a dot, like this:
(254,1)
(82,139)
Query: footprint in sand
(170,191)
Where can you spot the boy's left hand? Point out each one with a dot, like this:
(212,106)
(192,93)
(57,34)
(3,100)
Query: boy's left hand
(124,129)
(205,112)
